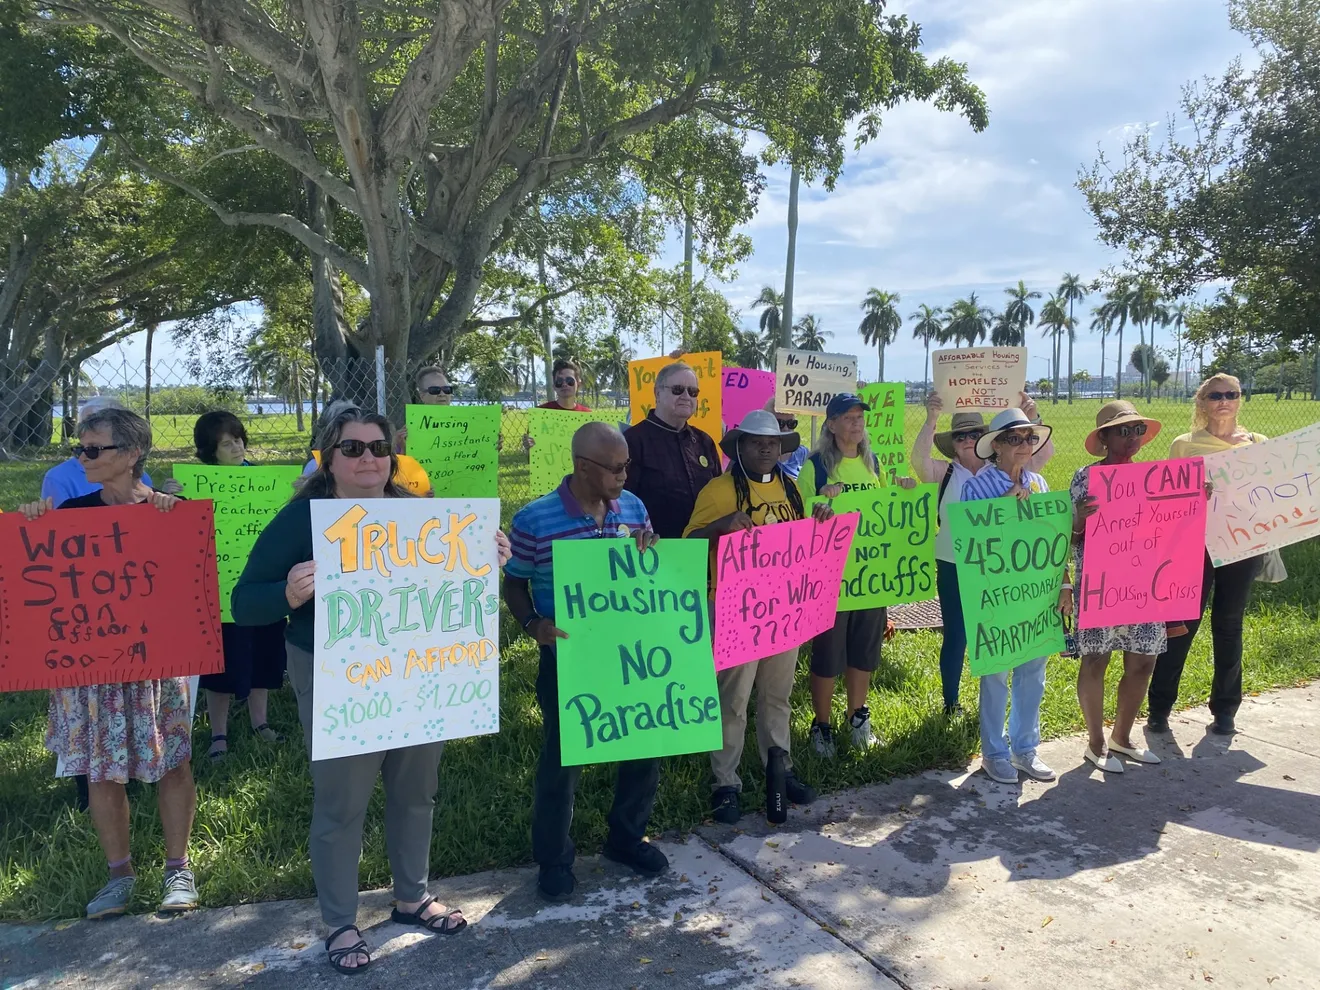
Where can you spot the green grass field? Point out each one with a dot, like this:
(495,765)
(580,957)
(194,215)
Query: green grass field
(250,840)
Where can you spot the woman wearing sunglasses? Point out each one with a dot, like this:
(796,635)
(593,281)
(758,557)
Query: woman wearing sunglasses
(114,733)
(958,444)
(408,471)
(1214,428)
(431,387)
(357,462)
(1120,431)
(567,380)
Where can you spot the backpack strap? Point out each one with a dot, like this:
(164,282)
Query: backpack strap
(818,464)
(944,484)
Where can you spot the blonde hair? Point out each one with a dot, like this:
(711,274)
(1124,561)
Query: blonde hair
(1199,419)
(827,449)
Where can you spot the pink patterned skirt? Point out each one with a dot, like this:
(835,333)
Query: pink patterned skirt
(121,732)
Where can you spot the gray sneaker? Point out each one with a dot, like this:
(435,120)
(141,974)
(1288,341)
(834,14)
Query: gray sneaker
(822,740)
(1034,767)
(112,899)
(180,891)
(863,736)
(1000,771)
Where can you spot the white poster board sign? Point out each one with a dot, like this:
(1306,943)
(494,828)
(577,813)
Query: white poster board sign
(407,622)
(1266,496)
(805,381)
(971,379)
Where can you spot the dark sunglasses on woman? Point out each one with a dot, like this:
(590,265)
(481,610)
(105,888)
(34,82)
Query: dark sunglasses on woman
(1017,440)
(356,448)
(568,382)
(1223,396)
(788,424)
(439,390)
(1135,430)
(962,435)
(691,390)
(92,451)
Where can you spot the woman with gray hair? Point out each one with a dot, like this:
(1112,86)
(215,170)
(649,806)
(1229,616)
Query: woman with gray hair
(141,730)
(357,461)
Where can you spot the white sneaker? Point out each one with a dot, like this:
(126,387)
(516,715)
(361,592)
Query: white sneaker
(1000,771)
(1033,767)
(863,737)
(822,740)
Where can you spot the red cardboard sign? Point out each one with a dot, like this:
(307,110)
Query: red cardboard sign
(108,595)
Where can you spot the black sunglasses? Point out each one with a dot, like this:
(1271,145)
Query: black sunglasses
(1222,396)
(565,382)
(611,468)
(691,390)
(92,451)
(356,448)
(1134,430)
(1017,439)
(439,390)
(962,435)
(788,424)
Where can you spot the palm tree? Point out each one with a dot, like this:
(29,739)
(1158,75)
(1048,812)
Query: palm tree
(1019,311)
(1145,306)
(748,351)
(1178,319)
(1118,307)
(968,320)
(810,336)
(881,323)
(1159,373)
(1102,323)
(1071,290)
(1005,333)
(795,179)
(612,362)
(772,311)
(928,327)
(1054,318)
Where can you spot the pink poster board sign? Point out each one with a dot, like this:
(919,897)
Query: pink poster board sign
(1145,545)
(777,586)
(743,391)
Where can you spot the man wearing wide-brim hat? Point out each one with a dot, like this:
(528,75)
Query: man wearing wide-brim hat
(754,491)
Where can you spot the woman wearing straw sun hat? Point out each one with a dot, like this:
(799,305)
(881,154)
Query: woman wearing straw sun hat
(958,444)
(1120,431)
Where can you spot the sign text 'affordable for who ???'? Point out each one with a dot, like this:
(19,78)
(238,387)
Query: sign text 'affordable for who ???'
(245,499)
(892,559)
(458,446)
(636,678)
(407,623)
(777,586)
(707,366)
(1266,496)
(1010,557)
(884,427)
(108,595)
(1143,552)
(551,430)
(979,378)
(805,381)
(744,390)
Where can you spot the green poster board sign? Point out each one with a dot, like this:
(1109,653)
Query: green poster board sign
(636,674)
(458,446)
(551,430)
(1010,557)
(245,499)
(884,425)
(892,559)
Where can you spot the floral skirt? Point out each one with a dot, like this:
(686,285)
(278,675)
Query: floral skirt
(121,732)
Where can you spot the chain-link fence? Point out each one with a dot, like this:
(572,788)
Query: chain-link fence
(280,421)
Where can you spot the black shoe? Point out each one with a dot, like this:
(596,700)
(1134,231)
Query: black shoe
(798,792)
(556,883)
(644,858)
(1223,725)
(724,806)
(1157,723)
(954,711)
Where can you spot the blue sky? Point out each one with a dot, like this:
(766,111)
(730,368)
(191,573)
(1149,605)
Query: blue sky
(934,211)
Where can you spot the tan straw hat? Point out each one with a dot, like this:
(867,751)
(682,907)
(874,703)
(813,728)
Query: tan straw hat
(1117,413)
(963,422)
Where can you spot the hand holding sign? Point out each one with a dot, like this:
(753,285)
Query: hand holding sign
(805,381)
(979,378)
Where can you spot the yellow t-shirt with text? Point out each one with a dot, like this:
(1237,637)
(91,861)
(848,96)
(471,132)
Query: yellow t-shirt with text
(769,500)
(851,472)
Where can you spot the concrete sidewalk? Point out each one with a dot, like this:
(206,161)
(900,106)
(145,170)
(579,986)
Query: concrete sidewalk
(1203,870)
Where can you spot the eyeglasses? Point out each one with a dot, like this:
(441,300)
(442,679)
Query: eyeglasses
(92,451)
(962,435)
(610,468)
(1017,439)
(691,390)
(1135,430)
(565,382)
(1223,396)
(356,448)
(439,390)
(788,424)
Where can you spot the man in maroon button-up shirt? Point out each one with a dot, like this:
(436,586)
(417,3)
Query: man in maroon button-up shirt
(670,460)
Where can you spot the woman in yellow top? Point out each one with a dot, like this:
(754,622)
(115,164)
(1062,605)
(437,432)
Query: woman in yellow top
(843,462)
(1214,428)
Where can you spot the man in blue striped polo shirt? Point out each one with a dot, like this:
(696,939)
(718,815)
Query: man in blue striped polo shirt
(589,504)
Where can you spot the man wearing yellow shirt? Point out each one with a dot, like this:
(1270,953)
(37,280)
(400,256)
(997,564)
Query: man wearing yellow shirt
(753,492)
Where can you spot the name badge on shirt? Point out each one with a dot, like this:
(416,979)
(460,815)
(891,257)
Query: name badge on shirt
(704,462)
(623,532)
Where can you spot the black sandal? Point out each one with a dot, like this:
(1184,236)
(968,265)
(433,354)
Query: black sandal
(359,948)
(217,755)
(263,728)
(441,924)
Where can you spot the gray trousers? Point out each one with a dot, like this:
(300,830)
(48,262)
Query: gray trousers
(773,680)
(341,789)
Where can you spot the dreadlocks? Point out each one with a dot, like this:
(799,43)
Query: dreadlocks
(743,493)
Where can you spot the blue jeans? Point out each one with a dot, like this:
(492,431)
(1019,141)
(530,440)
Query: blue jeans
(954,647)
(1024,717)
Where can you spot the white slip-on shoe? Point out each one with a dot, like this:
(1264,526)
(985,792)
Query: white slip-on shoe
(1134,752)
(1000,771)
(1109,763)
